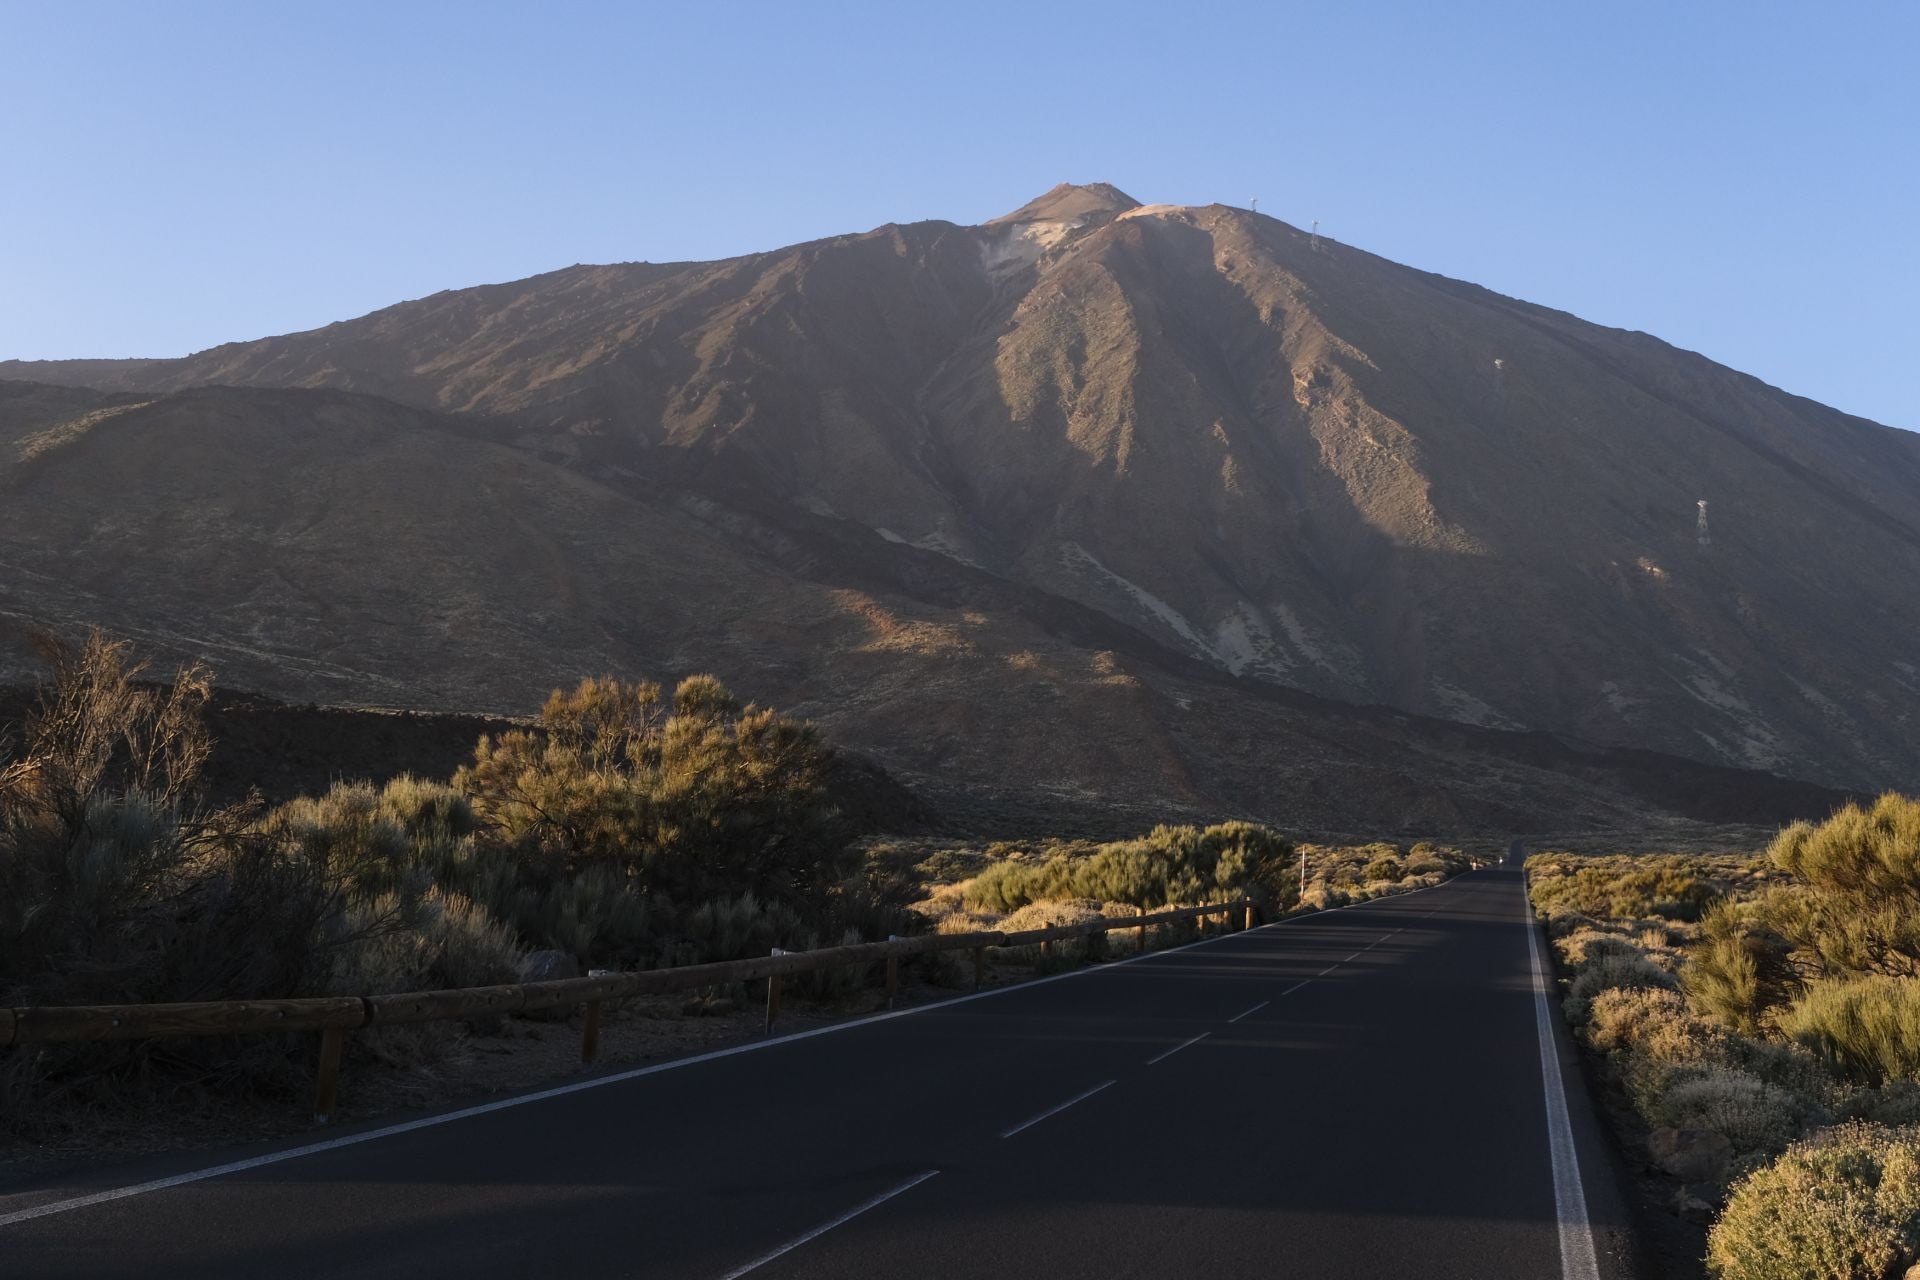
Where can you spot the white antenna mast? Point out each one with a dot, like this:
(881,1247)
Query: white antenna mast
(1313,238)
(1256,204)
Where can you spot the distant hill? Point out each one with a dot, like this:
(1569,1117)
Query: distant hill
(1095,500)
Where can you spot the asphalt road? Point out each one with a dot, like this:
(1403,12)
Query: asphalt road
(1356,1093)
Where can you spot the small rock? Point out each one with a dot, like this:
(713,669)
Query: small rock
(1692,1155)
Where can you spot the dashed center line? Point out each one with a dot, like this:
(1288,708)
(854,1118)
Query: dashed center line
(1296,986)
(1054,1111)
(1257,1008)
(1177,1048)
(825,1227)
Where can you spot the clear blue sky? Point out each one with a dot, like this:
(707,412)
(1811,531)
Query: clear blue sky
(1739,178)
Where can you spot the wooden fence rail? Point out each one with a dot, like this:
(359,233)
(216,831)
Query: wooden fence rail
(334,1016)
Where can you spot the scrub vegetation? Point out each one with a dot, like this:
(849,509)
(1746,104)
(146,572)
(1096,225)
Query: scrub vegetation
(1762,1018)
(626,827)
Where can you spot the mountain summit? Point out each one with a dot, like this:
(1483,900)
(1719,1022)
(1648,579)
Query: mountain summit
(1134,471)
(1067,202)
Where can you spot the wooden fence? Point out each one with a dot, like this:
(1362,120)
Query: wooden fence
(334,1016)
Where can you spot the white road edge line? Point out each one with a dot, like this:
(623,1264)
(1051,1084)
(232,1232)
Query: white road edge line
(620,1077)
(1054,1111)
(1257,1008)
(1177,1048)
(825,1227)
(1577,1258)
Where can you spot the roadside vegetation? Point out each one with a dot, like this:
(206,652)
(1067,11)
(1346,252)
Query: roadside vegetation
(1761,1016)
(625,828)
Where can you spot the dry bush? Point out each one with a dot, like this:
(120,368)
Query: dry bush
(1047,915)
(1654,1023)
(1841,1205)
(1755,1116)
(1621,887)
(117,885)
(1611,971)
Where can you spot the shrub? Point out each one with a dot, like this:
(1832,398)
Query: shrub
(1168,866)
(438,940)
(592,916)
(1856,907)
(1623,887)
(1609,972)
(1841,1205)
(1754,1115)
(1652,1022)
(708,801)
(1590,945)
(1045,915)
(1388,869)
(1869,1028)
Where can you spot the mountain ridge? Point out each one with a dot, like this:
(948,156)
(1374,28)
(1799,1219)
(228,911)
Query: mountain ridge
(1276,454)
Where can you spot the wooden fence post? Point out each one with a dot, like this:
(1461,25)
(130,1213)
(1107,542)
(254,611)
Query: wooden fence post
(1142,931)
(773,994)
(1246,919)
(590,1033)
(326,1083)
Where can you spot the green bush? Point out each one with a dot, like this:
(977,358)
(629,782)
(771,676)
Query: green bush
(1841,1205)
(1167,866)
(1384,869)
(1855,907)
(708,800)
(1869,1028)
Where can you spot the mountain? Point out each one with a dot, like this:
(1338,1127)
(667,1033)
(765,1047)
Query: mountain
(1191,451)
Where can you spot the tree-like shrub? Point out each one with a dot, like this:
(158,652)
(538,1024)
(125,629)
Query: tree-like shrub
(1869,1028)
(1855,907)
(705,801)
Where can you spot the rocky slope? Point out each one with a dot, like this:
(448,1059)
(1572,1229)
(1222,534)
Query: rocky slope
(1231,453)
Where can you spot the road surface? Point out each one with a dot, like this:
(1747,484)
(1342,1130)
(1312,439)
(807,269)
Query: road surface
(1357,1093)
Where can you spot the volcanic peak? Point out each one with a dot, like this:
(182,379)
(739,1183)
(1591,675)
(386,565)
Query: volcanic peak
(1069,201)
